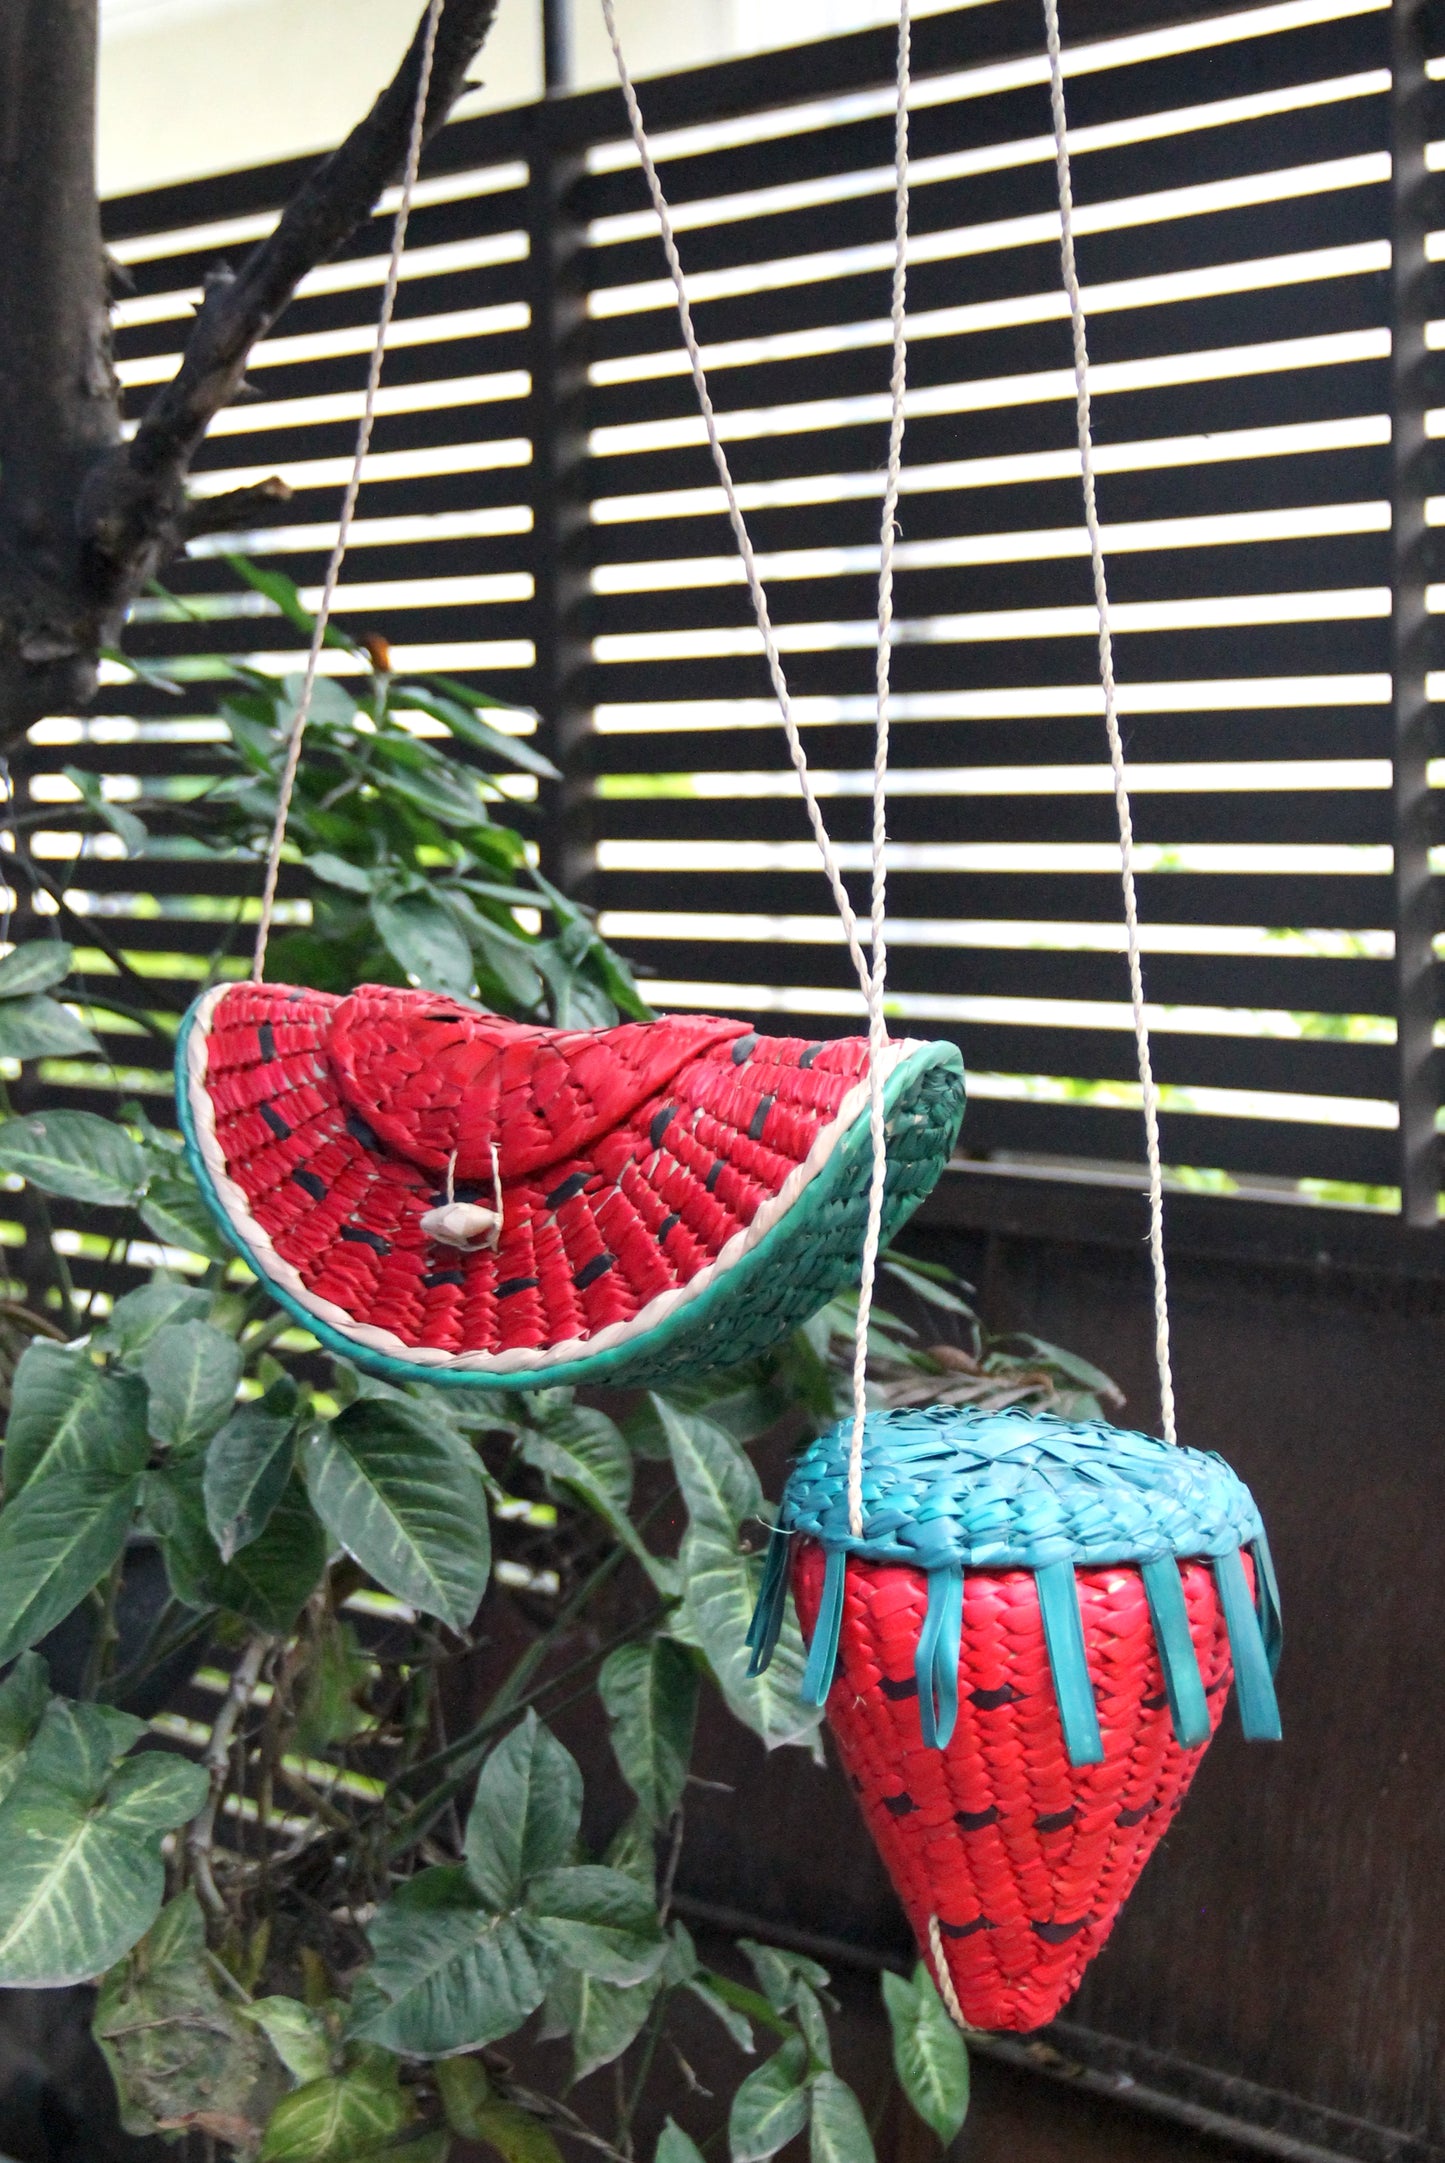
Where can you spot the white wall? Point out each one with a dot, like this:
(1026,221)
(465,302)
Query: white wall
(203,86)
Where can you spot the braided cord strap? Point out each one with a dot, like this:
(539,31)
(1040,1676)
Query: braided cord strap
(947,1490)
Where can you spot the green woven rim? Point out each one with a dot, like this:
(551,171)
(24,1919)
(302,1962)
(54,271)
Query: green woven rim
(782,1282)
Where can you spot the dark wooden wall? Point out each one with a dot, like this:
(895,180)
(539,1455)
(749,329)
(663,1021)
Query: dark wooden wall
(1290,1934)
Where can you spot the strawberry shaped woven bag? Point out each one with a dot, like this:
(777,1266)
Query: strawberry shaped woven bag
(1023,1661)
(441,1194)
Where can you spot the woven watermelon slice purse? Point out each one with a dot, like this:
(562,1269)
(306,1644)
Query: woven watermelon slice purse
(1023,1658)
(443,1195)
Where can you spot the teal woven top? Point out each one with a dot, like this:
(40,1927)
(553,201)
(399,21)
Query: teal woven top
(947,1490)
(1015,1490)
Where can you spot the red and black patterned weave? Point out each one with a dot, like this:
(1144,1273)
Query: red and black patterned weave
(629,1157)
(1007,1858)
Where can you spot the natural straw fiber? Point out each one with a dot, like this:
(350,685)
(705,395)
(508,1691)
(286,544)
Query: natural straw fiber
(675,1194)
(1023,1659)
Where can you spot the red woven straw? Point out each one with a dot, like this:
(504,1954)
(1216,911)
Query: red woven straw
(629,1157)
(1022,1859)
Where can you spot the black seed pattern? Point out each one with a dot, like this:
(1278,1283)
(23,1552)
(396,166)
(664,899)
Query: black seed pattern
(759,1118)
(570,1186)
(1058,1933)
(974,1821)
(266,1036)
(897,1690)
(591,1271)
(744,1049)
(964,1930)
(359,1131)
(714,1175)
(443,1276)
(991,1700)
(1136,1817)
(1157,1703)
(361,1237)
(275,1122)
(667,1225)
(807,1058)
(1057,1821)
(660,1123)
(517,1284)
(310,1184)
(899,1806)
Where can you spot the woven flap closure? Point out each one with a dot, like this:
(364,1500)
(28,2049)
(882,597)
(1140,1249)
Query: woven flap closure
(442,1082)
(1016,1490)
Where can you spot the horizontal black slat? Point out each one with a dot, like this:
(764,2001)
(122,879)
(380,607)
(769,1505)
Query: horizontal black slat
(1250,482)
(1291,982)
(1282,1149)
(1329,563)
(1282,816)
(1315,52)
(1310,900)
(1331,732)
(1327,390)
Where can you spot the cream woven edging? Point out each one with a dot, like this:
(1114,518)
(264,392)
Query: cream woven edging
(257,1240)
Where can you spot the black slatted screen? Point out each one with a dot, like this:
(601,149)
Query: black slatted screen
(541,513)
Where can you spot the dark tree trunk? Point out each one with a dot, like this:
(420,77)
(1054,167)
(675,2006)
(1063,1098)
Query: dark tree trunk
(59,404)
(85,519)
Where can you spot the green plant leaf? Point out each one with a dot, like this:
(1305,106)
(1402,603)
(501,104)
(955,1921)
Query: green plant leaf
(837,2131)
(464,722)
(285,594)
(477,2113)
(650,1695)
(423,939)
(771,2106)
(350,2117)
(24,1695)
(267,1582)
(929,2055)
(598,1919)
(336,871)
(75,1154)
(39,965)
(248,1465)
(58,1538)
(81,1834)
(780,1974)
(297,2033)
(136,1318)
(67,1414)
(448,1974)
(720,1590)
(603,2019)
(40,1028)
(407,1499)
(525,1814)
(174,1211)
(675,2146)
(182,2057)
(738,2026)
(192,1372)
(718,1482)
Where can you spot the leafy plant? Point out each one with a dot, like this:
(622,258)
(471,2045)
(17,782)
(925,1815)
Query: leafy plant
(312,1943)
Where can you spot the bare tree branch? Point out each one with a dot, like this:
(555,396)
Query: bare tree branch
(237,509)
(133,510)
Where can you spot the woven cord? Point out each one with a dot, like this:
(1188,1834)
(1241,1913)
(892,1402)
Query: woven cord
(878,979)
(940,1968)
(872,978)
(353,490)
(735,516)
(1111,722)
